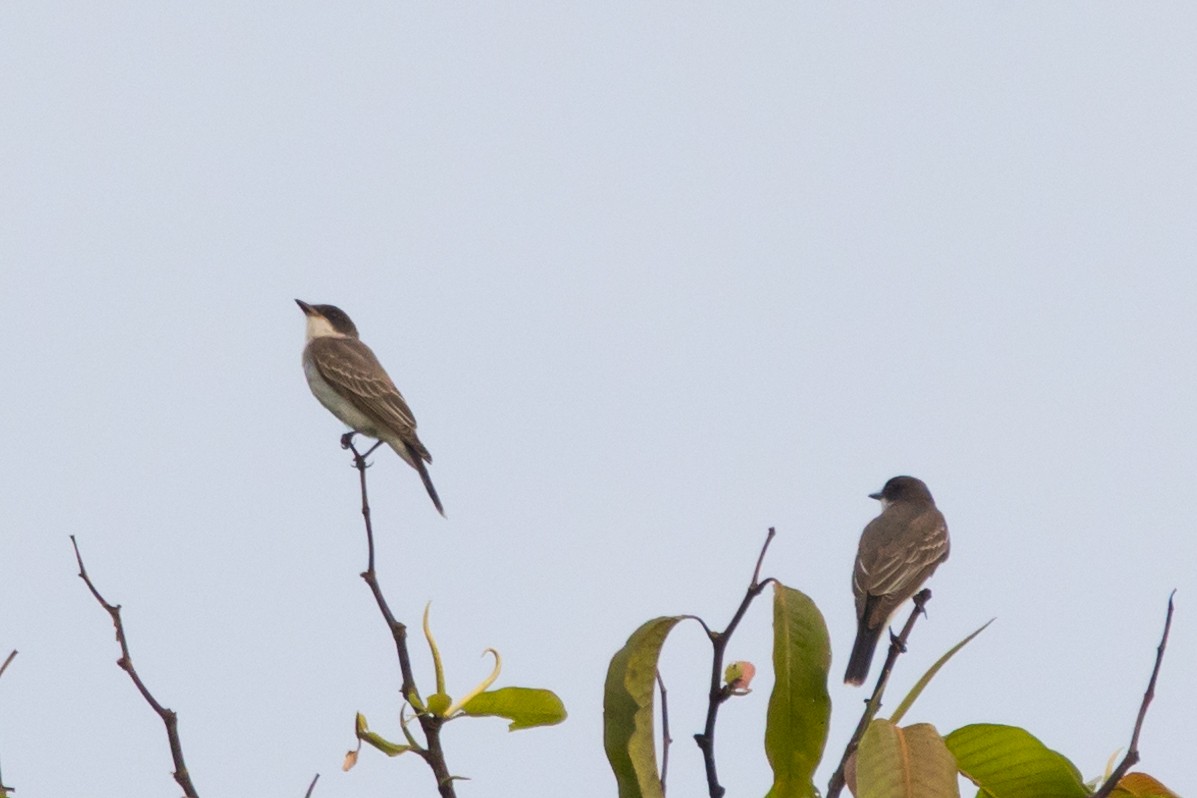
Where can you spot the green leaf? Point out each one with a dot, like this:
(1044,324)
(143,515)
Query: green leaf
(371,738)
(1008,762)
(525,707)
(628,710)
(438,703)
(922,683)
(799,707)
(904,762)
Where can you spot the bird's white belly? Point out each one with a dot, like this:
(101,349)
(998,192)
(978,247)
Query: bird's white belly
(336,404)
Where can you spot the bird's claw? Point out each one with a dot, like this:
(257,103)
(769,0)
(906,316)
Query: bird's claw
(920,600)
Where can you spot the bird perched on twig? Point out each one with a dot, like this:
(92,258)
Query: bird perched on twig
(347,378)
(899,550)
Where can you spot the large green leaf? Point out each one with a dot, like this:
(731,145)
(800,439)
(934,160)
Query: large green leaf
(904,762)
(1009,762)
(628,710)
(525,707)
(799,707)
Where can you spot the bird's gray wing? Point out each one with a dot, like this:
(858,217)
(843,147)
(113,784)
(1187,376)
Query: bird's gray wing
(351,368)
(902,555)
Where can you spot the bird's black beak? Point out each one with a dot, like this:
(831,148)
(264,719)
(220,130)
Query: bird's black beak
(876,496)
(307,309)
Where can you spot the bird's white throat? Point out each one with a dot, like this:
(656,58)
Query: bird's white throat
(319,327)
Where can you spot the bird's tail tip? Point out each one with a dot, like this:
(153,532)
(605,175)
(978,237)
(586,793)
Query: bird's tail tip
(436,500)
(861,658)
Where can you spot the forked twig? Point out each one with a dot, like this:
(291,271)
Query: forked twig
(432,753)
(720,692)
(897,646)
(169,719)
(1132,753)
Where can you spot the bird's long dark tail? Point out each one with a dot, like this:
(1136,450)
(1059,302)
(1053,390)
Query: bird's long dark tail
(862,652)
(436,500)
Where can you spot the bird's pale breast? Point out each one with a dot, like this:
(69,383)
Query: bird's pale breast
(336,404)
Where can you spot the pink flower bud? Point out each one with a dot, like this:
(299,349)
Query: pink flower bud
(739,675)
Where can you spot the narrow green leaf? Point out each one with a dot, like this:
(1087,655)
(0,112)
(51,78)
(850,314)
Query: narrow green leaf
(386,746)
(922,683)
(525,707)
(407,735)
(373,739)
(628,710)
(799,707)
(1009,762)
(909,762)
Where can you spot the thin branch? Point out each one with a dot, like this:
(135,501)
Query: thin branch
(720,692)
(312,786)
(4,791)
(1132,753)
(897,646)
(710,632)
(169,719)
(433,753)
(760,560)
(666,740)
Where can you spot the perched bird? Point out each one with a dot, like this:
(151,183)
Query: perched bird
(899,550)
(348,379)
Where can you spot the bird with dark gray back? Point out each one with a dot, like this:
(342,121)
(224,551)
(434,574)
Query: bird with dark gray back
(899,550)
(347,378)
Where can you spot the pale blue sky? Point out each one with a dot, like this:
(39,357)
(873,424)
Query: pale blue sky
(653,278)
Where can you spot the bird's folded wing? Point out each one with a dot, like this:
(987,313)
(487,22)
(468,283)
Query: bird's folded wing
(896,565)
(355,373)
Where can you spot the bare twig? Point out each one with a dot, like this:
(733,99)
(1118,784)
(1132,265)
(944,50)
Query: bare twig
(312,786)
(1132,753)
(169,719)
(720,692)
(666,740)
(897,646)
(4,791)
(433,753)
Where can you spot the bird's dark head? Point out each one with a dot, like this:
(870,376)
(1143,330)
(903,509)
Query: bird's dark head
(901,489)
(327,320)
